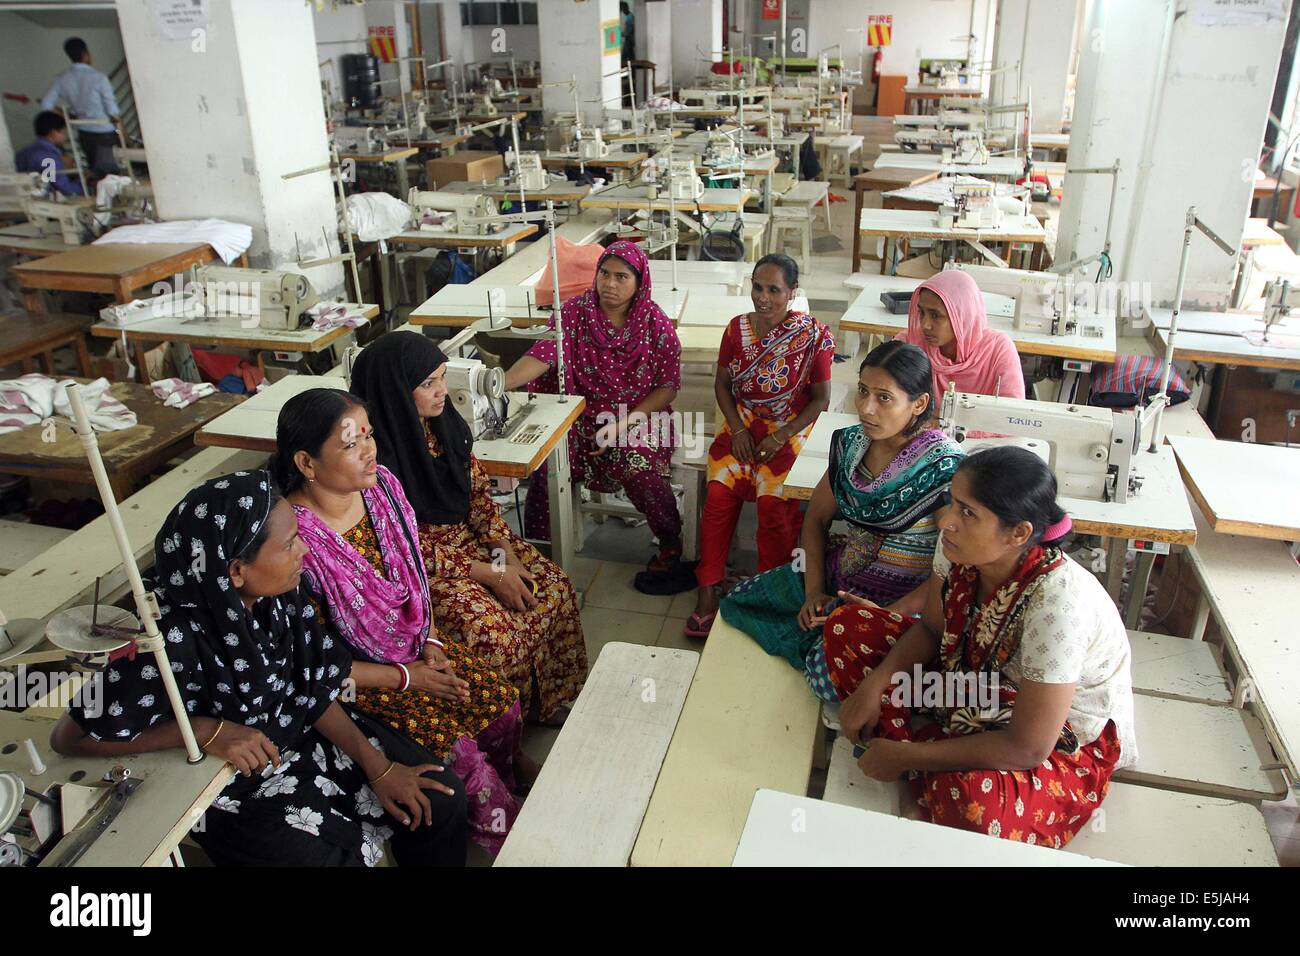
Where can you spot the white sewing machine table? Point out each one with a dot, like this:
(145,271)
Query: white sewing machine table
(625,196)
(465,240)
(1242,487)
(556,191)
(1160,512)
(542,436)
(226,336)
(155,818)
(898,224)
(1219,338)
(998,167)
(833,834)
(867,314)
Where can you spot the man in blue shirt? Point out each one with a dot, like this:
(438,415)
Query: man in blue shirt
(88,94)
(45,156)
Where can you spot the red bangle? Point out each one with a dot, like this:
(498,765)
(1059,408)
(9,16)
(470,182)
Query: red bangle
(406,676)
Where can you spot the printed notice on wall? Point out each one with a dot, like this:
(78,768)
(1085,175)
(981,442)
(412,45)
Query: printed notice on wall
(1235,13)
(178,19)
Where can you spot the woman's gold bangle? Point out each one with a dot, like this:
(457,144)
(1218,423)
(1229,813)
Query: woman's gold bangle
(391,765)
(221,723)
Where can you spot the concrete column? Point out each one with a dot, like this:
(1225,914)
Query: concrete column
(6,147)
(573,44)
(1186,127)
(225,113)
(1040,37)
(697,29)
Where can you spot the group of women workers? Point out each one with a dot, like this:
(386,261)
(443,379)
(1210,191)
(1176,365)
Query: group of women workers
(366,635)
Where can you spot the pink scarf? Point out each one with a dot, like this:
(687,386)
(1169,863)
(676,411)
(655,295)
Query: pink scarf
(386,619)
(983,354)
(609,366)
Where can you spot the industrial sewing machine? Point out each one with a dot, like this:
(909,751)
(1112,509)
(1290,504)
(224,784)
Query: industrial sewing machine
(968,148)
(359,139)
(72,221)
(1045,302)
(441,211)
(482,105)
(722,150)
(591,144)
(974,205)
(479,394)
(15,187)
(1280,297)
(1092,451)
(529,172)
(677,174)
(277,298)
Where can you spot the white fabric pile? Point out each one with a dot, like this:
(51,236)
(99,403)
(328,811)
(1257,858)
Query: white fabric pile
(178,393)
(32,399)
(228,239)
(376,216)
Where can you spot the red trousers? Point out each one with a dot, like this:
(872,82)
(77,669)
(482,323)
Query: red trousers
(779,523)
(1046,805)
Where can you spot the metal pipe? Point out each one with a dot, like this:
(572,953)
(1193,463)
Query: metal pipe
(145,603)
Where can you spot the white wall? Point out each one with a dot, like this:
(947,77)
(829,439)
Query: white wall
(338,33)
(697,26)
(31,56)
(571,45)
(923,29)
(1204,134)
(1039,36)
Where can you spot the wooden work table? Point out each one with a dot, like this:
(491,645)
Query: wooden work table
(29,239)
(24,337)
(130,454)
(116,269)
(1241,487)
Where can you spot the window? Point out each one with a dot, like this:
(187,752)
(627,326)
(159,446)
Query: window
(510,13)
(530,13)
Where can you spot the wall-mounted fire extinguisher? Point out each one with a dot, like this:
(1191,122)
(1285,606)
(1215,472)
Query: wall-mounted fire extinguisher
(876,62)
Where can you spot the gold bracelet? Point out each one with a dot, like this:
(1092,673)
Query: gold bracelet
(221,723)
(391,765)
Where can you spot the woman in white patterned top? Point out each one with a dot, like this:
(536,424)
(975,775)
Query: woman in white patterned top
(1009,703)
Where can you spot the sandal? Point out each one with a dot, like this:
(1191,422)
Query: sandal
(664,560)
(698,625)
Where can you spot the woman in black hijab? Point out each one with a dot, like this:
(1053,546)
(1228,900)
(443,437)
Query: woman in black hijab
(315,784)
(490,588)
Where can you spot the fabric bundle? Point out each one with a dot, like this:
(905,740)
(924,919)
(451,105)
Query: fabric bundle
(178,393)
(31,399)
(229,240)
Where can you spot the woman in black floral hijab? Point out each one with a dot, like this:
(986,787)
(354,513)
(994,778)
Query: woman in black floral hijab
(317,785)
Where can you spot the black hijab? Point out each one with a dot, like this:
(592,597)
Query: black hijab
(270,666)
(384,375)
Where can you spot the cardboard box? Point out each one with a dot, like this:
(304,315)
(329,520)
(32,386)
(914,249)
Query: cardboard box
(464,166)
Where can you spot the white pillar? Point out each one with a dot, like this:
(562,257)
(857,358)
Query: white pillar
(1187,130)
(697,29)
(6,147)
(573,44)
(225,113)
(1039,36)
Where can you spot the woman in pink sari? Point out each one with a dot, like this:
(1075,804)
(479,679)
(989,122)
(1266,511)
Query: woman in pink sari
(622,355)
(948,322)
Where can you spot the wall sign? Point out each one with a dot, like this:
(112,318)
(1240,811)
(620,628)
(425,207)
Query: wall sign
(880,30)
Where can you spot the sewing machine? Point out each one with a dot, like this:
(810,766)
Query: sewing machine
(1093,451)
(974,206)
(968,148)
(722,150)
(1045,302)
(679,176)
(482,105)
(359,139)
(277,298)
(16,187)
(440,211)
(591,144)
(529,172)
(1280,297)
(479,394)
(73,222)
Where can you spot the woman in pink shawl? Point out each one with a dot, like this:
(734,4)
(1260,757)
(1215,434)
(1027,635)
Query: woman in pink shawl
(622,355)
(947,320)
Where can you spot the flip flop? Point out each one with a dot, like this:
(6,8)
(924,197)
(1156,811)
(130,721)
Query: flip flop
(698,625)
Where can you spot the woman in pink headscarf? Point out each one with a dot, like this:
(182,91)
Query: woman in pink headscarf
(947,320)
(622,355)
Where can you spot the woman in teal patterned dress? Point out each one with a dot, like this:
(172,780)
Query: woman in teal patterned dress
(886,478)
